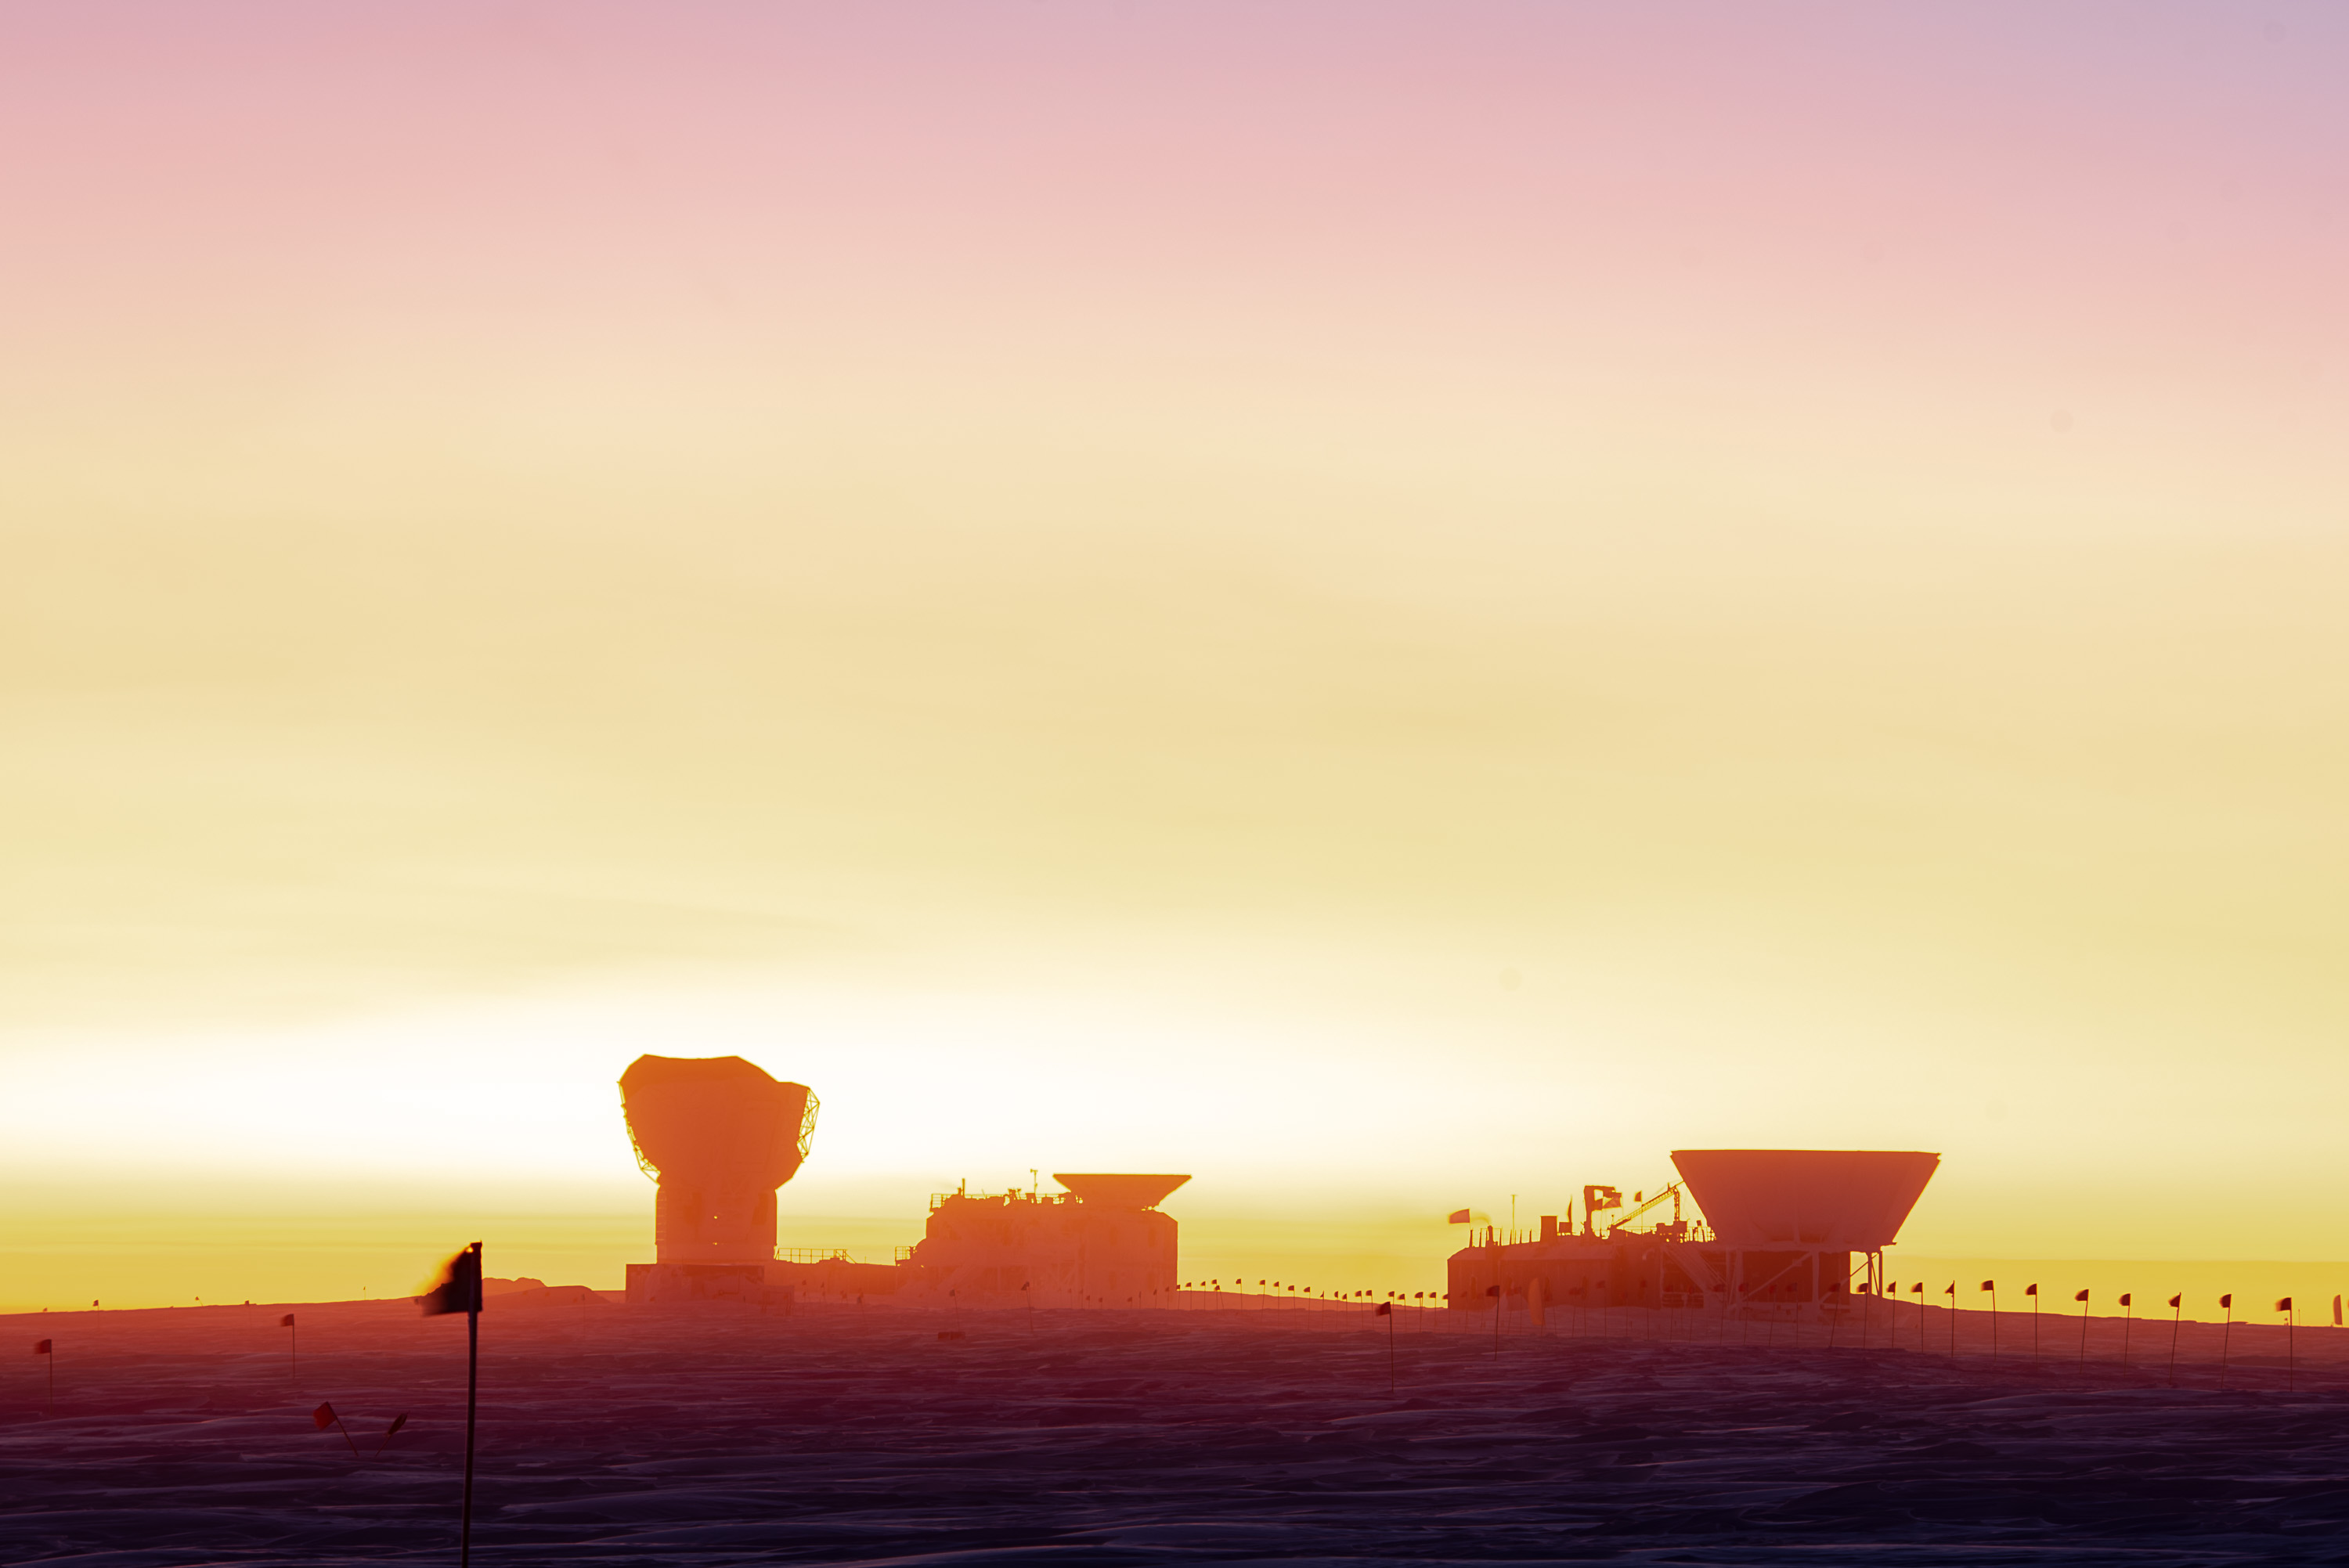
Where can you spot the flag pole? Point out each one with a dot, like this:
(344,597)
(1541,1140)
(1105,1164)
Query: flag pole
(2128,1319)
(1390,1351)
(2228,1302)
(472,1402)
(2291,1360)
(2177,1315)
(2083,1328)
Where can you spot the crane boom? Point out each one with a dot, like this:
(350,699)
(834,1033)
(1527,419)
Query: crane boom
(1673,1191)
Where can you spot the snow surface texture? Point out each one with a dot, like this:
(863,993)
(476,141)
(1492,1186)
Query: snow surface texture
(834,1434)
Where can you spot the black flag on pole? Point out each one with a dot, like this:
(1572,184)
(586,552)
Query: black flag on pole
(459,1289)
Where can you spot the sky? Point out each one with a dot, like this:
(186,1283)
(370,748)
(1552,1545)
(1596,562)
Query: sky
(1392,605)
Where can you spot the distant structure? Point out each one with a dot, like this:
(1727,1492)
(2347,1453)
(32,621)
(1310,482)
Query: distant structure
(720,1136)
(1103,1242)
(1786,1226)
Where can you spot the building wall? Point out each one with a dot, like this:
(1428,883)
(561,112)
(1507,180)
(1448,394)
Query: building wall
(1050,1249)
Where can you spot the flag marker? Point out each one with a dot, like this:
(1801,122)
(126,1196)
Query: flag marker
(1386,1309)
(325,1416)
(2127,1319)
(459,1290)
(2227,1301)
(2291,1358)
(2082,1299)
(2177,1315)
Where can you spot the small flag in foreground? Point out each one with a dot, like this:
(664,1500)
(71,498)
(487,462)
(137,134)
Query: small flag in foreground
(459,1289)
(2125,1298)
(43,1347)
(1386,1309)
(325,1415)
(2285,1304)
(2081,1296)
(1458,1217)
(2228,1301)
(1917,1289)
(2031,1290)
(2176,1299)
(1989,1285)
(287,1321)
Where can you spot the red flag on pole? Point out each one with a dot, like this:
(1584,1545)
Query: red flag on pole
(43,1347)
(1458,1217)
(325,1415)
(287,1321)
(2081,1296)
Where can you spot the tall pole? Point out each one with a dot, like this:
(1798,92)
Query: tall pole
(2177,1315)
(2128,1321)
(473,1404)
(2228,1302)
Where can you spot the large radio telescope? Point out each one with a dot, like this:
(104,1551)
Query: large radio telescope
(720,1136)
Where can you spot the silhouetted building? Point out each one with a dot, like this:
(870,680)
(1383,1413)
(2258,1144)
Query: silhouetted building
(720,1135)
(1101,1244)
(1786,1227)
